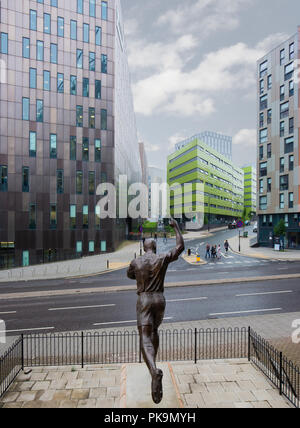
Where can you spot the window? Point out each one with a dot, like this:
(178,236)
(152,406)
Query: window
(263,102)
(104,120)
(270,81)
(263,203)
(26,47)
(79,247)
(92,61)
(269,151)
(25,179)
(73,30)
(281,165)
(32,216)
(85,149)
(97,150)
(281,201)
(79,6)
(53,53)
(98,89)
(93,8)
(73,216)
(291,88)
(261,186)
(72,148)
(270,220)
(91,246)
(53,146)
(281,129)
(3,178)
(85,216)
(264,220)
(39,110)
(60,83)
(25,108)
(73,85)
(33,20)
(284,110)
(263,169)
(261,87)
(60,181)
(284,182)
(86,33)
(261,120)
(54,3)
(289,145)
(92,117)
(292,51)
(4,43)
(47,23)
(103,63)
(263,136)
(97,217)
(263,69)
(261,152)
(103,246)
(79,182)
(79,58)
(104,10)
(289,71)
(85,87)
(32,78)
(291,200)
(98,38)
(282,56)
(269,185)
(269,117)
(47,81)
(291,163)
(79,116)
(91,183)
(291,125)
(40,50)
(282,93)
(60,27)
(32,144)
(53,216)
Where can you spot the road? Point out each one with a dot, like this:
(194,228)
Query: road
(116,309)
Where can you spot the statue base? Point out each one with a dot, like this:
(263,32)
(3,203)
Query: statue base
(136,388)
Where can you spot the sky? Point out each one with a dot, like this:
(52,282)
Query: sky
(193,68)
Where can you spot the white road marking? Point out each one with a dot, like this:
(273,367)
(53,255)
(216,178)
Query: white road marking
(28,329)
(7,313)
(247,312)
(124,322)
(186,300)
(81,307)
(266,293)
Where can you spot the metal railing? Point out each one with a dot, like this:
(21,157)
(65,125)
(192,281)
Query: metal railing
(283,373)
(88,348)
(11,364)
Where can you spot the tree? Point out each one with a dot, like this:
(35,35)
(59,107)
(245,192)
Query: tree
(280,229)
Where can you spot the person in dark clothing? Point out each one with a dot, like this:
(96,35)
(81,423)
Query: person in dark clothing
(207,255)
(226,246)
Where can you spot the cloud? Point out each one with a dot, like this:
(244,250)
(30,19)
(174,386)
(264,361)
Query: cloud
(245,147)
(131,27)
(176,138)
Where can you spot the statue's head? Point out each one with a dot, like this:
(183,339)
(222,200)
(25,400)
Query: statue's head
(150,245)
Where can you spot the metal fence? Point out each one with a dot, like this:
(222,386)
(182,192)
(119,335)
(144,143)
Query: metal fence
(88,348)
(284,374)
(11,364)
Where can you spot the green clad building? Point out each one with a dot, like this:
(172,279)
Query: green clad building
(250,187)
(216,186)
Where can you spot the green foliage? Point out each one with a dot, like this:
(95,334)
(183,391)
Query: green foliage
(280,229)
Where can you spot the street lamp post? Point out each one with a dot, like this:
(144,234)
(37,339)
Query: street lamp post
(208,213)
(239,240)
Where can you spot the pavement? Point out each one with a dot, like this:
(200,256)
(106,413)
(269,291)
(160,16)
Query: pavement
(208,384)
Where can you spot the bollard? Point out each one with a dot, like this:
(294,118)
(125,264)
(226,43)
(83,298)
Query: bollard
(135,255)
(107,264)
(189,252)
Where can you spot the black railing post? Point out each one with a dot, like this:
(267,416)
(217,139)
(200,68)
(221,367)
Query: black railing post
(82,350)
(195,346)
(22,351)
(140,350)
(280,375)
(249,343)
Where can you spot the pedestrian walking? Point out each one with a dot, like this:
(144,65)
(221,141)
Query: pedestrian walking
(213,251)
(207,255)
(165,238)
(226,246)
(219,255)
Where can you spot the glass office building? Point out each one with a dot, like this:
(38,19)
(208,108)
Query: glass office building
(67,125)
